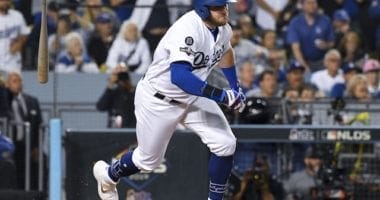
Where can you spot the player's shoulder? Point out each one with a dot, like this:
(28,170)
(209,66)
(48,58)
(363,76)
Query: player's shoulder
(190,21)
(189,24)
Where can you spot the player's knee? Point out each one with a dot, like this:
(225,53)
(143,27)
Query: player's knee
(227,148)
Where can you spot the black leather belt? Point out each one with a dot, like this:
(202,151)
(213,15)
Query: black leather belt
(167,99)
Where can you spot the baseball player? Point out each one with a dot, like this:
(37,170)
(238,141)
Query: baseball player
(13,35)
(174,91)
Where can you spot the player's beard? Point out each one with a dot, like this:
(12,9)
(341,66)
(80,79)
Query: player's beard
(220,21)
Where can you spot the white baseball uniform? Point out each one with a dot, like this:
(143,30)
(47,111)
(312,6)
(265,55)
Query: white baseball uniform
(188,39)
(12,25)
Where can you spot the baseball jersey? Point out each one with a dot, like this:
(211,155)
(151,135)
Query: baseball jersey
(12,25)
(188,39)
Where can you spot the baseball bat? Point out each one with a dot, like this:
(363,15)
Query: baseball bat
(43,58)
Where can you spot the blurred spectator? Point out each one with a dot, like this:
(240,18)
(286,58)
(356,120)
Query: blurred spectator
(129,49)
(277,56)
(241,8)
(295,76)
(25,8)
(118,100)
(357,88)
(301,183)
(122,8)
(291,94)
(268,13)
(176,12)
(259,183)
(13,35)
(310,35)
(77,22)
(94,8)
(101,40)
(24,108)
(374,15)
(289,109)
(341,23)
(349,70)
(248,31)
(75,58)
(350,48)
(368,23)
(329,7)
(268,86)
(56,41)
(247,51)
(152,21)
(327,78)
(371,70)
(285,16)
(308,94)
(247,76)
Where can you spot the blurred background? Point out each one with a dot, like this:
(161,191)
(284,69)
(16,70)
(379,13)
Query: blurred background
(310,70)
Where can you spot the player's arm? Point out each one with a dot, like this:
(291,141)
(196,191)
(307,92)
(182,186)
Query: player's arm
(182,77)
(227,64)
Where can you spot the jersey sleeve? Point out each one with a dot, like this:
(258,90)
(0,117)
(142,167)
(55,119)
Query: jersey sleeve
(227,40)
(182,43)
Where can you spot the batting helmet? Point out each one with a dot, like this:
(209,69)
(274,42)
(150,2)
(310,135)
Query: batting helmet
(200,6)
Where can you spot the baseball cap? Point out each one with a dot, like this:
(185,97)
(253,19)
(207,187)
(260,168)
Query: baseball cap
(371,65)
(295,65)
(350,66)
(341,15)
(104,18)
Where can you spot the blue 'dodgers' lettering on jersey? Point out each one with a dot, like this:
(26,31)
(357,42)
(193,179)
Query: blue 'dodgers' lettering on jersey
(201,60)
(6,33)
(217,55)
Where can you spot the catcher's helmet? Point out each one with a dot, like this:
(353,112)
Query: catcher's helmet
(200,6)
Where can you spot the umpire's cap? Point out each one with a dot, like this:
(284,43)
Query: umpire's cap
(200,6)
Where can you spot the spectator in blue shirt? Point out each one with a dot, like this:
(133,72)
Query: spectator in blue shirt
(310,35)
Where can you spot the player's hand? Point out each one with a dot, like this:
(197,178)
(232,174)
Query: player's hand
(235,99)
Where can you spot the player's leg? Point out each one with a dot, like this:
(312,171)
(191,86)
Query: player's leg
(208,121)
(156,122)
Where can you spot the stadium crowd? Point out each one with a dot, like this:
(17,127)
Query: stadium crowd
(293,50)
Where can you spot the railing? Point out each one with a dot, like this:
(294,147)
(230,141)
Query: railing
(8,128)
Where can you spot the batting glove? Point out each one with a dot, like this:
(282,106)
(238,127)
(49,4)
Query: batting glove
(235,99)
